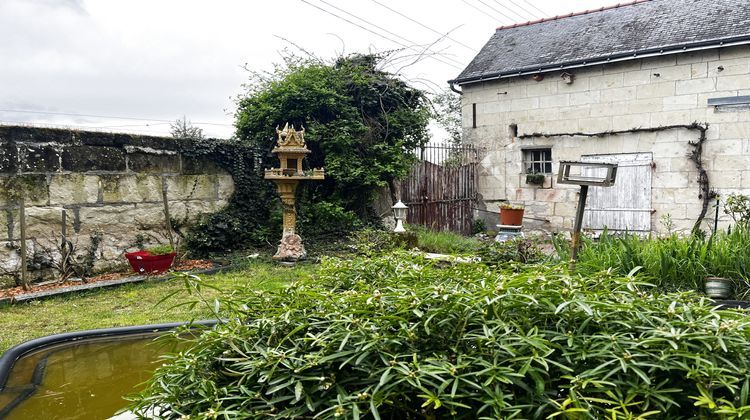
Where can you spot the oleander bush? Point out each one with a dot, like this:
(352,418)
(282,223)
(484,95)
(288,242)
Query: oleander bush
(398,337)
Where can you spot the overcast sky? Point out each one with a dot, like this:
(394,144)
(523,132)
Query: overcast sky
(148,62)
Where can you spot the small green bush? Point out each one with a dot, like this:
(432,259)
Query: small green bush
(398,337)
(160,250)
(319,219)
(445,242)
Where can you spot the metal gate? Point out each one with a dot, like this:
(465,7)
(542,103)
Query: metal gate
(441,188)
(626,206)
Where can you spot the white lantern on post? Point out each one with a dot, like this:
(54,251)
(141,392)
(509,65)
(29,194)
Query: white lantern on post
(399,212)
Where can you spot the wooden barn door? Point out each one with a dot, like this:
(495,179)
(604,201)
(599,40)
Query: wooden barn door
(625,206)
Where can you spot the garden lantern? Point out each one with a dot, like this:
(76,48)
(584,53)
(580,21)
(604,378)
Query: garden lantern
(290,149)
(399,212)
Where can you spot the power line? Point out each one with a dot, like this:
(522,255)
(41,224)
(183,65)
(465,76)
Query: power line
(510,10)
(498,12)
(538,9)
(481,11)
(71,114)
(425,26)
(383,29)
(533,15)
(376,33)
(77,126)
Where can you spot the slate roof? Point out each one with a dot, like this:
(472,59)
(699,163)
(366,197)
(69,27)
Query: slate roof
(618,33)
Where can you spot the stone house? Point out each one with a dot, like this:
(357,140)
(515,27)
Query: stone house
(621,84)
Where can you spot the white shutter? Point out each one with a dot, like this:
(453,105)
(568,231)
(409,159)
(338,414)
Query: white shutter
(625,206)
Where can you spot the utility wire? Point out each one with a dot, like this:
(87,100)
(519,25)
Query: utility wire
(376,33)
(544,14)
(70,114)
(385,30)
(494,19)
(520,16)
(497,11)
(533,15)
(425,26)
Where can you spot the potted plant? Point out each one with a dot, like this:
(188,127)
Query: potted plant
(155,260)
(719,287)
(511,214)
(535,178)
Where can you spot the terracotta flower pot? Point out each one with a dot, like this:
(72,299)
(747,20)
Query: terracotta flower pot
(145,263)
(511,217)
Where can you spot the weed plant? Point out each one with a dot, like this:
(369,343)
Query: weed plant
(397,337)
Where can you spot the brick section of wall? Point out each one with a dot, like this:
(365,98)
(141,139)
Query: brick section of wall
(108,184)
(642,93)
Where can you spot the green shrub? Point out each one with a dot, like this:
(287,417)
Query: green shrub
(317,219)
(672,263)
(518,250)
(444,242)
(400,338)
(160,250)
(378,241)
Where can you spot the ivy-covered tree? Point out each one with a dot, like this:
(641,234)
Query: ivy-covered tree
(360,121)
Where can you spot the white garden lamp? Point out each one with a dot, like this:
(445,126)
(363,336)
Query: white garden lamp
(399,212)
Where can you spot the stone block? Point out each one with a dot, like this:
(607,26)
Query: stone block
(224,186)
(681,72)
(554,101)
(595,125)
(733,53)
(663,195)
(640,106)
(607,109)
(606,81)
(38,158)
(656,90)
(739,130)
(697,56)
(565,209)
(93,158)
(723,68)
(524,104)
(192,209)
(131,188)
(658,62)
(583,98)
(574,112)
(543,88)
(635,78)
(680,102)
(626,122)
(669,180)
(66,189)
(122,219)
(686,87)
(580,84)
(730,178)
(153,162)
(670,150)
(670,118)
(618,94)
(191,187)
(8,158)
(44,223)
(698,70)
(33,187)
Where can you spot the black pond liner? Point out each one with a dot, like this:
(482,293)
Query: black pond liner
(10,357)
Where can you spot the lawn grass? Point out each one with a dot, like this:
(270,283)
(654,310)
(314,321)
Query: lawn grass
(445,242)
(132,304)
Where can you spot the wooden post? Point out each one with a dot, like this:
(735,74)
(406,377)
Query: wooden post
(576,238)
(22,222)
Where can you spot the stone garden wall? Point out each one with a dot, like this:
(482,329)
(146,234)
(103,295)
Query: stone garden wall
(109,185)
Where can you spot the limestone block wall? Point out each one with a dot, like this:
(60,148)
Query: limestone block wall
(651,92)
(109,186)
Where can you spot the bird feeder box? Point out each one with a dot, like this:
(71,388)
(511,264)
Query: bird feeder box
(587,173)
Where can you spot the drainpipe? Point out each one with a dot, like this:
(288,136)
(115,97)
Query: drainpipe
(453,88)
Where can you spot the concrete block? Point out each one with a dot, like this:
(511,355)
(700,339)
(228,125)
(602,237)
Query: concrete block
(606,81)
(656,90)
(686,87)
(65,189)
(191,187)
